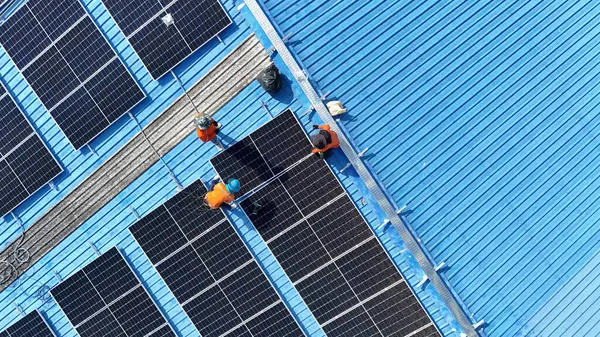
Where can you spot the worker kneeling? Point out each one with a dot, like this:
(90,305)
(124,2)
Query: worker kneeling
(325,140)
(221,194)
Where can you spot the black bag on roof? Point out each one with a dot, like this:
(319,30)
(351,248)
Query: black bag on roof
(270,79)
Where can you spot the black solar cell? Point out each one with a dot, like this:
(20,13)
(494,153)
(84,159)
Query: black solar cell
(249,291)
(354,323)
(212,274)
(32,325)
(276,213)
(13,192)
(243,162)
(101,325)
(299,251)
(340,227)
(132,14)
(320,238)
(163,46)
(137,314)
(56,16)
(262,325)
(111,276)
(158,234)
(23,38)
(80,117)
(192,220)
(212,313)
(105,298)
(222,250)
(114,90)
(51,78)
(14,128)
(327,293)
(84,49)
(159,47)
(77,298)
(185,274)
(33,163)
(198,21)
(311,184)
(282,142)
(71,67)
(396,312)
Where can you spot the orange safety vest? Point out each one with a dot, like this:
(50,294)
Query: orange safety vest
(215,198)
(208,134)
(335,142)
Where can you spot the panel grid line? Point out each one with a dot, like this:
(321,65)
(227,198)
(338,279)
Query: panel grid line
(81,84)
(365,273)
(103,301)
(320,241)
(53,43)
(215,282)
(336,265)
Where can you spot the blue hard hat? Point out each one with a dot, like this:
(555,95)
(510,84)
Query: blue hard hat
(233,186)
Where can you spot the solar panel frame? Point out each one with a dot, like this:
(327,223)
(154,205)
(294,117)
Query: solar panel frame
(106,306)
(53,45)
(309,211)
(243,323)
(34,315)
(34,134)
(155,16)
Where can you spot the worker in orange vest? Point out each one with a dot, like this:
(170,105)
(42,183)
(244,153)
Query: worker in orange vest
(221,194)
(207,129)
(324,140)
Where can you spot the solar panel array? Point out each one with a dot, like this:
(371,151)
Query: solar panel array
(319,237)
(106,298)
(160,45)
(71,67)
(32,325)
(26,164)
(210,271)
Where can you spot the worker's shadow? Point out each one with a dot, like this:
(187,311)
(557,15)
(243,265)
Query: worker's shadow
(225,139)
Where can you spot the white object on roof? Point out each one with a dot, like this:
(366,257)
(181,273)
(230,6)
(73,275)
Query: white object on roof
(336,108)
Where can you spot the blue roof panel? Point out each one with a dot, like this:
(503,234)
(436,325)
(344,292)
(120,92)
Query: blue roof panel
(481,118)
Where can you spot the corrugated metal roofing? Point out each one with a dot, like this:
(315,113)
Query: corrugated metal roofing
(481,117)
(188,160)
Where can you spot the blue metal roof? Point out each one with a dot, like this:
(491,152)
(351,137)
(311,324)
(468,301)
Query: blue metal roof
(481,117)
(189,161)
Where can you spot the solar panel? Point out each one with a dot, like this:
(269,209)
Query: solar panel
(162,46)
(264,153)
(32,325)
(210,271)
(106,298)
(71,67)
(322,241)
(26,164)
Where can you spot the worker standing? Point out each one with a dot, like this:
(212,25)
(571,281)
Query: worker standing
(207,129)
(324,140)
(221,194)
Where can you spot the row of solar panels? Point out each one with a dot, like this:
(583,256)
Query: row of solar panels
(80,79)
(311,226)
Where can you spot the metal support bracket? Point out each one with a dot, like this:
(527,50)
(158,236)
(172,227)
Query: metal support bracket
(96,251)
(57,276)
(284,39)
(264,106)
(307,111)
(133,211)
(18,307)
(91,149)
